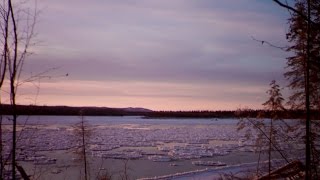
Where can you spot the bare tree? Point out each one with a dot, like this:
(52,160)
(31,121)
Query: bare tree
(3,69)
(17,34)
(124,175)
(83,131)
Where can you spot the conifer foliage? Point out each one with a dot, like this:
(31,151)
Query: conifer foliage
(273,104)
(303,73)
(297,63)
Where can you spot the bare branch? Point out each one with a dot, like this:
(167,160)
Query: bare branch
(266,136)
(283,48)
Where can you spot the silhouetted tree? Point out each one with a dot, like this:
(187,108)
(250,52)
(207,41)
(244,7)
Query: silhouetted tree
(83,131)
(16,38)
(297,64)
(273,104)
(264,132)
(303,69)
(3,69)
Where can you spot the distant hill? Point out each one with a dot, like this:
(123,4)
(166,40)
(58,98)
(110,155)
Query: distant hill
(68,110)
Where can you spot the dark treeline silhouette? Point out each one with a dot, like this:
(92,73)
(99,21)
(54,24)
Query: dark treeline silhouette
(191,114)
(69,111)
(105,111)
(286,114)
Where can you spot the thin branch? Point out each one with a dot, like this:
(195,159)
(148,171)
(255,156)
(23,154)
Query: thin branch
(264,134)
(283,48)
(40,75)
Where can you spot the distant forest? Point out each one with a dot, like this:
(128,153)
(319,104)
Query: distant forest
(105,111)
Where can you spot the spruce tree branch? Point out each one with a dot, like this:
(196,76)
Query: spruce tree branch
(295,11)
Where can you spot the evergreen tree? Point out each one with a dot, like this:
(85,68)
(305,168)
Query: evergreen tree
(296,64)
(304,72)
(274,105)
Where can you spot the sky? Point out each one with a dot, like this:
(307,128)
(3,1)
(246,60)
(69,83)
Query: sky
(156,54)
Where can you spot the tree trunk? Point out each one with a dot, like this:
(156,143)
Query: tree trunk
(13,89)
(307,93)
(84,150)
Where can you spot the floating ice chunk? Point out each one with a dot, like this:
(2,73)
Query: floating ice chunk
(208,163)
(157,158)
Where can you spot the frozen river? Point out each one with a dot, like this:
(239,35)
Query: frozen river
(143,147)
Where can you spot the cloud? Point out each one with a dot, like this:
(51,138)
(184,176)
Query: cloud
(198,42)
(153,95)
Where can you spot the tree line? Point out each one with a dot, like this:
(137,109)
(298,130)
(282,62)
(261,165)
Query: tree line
(105,111)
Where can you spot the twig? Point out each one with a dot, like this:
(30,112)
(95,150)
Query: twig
(264,134)
(283,48)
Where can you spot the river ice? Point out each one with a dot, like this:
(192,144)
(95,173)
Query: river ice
(158,140)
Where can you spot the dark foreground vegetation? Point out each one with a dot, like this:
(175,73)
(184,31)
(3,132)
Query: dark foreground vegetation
(72,111)
(105,111)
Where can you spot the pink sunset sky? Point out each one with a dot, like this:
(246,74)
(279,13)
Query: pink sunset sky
(156,54)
